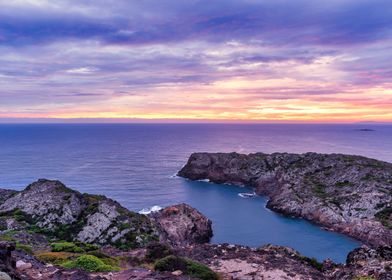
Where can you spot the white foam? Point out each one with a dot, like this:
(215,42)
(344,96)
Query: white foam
(146,211)
(204,180)
(247,195)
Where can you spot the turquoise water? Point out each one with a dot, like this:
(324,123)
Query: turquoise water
(134,164)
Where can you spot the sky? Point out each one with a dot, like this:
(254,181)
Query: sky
(222,60)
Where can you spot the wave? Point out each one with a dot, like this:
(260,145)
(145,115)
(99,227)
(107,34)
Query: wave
(146,211)
(204,180)
(247,195)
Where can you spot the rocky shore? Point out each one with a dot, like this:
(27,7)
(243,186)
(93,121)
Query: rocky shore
(49,231)
(343,193)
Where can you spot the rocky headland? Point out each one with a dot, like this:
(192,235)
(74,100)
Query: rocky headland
(343,193)
(48,231)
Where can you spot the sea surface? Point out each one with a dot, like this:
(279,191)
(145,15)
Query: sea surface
(135,164)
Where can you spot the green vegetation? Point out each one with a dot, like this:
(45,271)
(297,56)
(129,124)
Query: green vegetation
(313,262)
(26,248)
(368,177)
(36,229)
(134,240)
(345,183)
(156,250)
(384,216)
(94,261)
(8,235)
(67,231)
(71,247)
(187,266)
(18,215)
(66,247)
(319,190)
(89,263)
(55,257)
(364,278)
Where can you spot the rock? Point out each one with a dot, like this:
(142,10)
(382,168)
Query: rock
(5,194)
(365,262)
(343,193)
(49,202)
(267,262)
(177,273)
(4,276)
(5,256)
(21,265)
(104,221)
(181,224)
(70,215)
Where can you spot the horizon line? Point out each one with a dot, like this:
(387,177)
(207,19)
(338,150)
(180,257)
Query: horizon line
(172,121)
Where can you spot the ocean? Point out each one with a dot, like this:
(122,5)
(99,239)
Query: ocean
(136,164)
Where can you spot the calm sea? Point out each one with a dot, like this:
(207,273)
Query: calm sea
(135,163)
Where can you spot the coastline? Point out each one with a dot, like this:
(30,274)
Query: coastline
(321,179)
(180,231)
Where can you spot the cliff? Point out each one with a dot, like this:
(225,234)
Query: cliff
(50,208)
(49,231)
(344,193)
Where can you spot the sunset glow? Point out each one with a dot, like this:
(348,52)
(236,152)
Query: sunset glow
(197,60)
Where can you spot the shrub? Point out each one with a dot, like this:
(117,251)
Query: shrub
(170,263)
(21,216)
(87,247)
(313,262)
(189,267)
(89,263)
(37,229)
(77,247)
(98,254)
(66,247)
(198,270)
(55,257)
(27,248)
(156,251)
(384,216)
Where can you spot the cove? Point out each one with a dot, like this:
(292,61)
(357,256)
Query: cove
(247,221)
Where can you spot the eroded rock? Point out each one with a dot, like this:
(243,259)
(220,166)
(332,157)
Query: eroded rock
(344,193)
(181,224)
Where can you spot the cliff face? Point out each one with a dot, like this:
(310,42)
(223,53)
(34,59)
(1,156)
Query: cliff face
(50,208)
(344,193)
(35,222)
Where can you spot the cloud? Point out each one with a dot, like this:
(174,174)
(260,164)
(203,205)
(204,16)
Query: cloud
(146,22)
(194,58)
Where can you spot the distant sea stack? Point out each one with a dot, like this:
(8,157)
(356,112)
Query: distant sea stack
(343,193)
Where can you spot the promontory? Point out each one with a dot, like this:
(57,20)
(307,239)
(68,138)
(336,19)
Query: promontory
(343,193)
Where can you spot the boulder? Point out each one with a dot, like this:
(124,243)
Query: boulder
(181,224)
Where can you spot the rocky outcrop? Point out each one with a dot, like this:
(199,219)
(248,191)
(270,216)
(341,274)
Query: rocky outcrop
(365,261)
(6,262)
(278,262)
(5,194)
(50,208)
(344,193)
(245,263)
(23,266)
(182,224)
(123,236)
